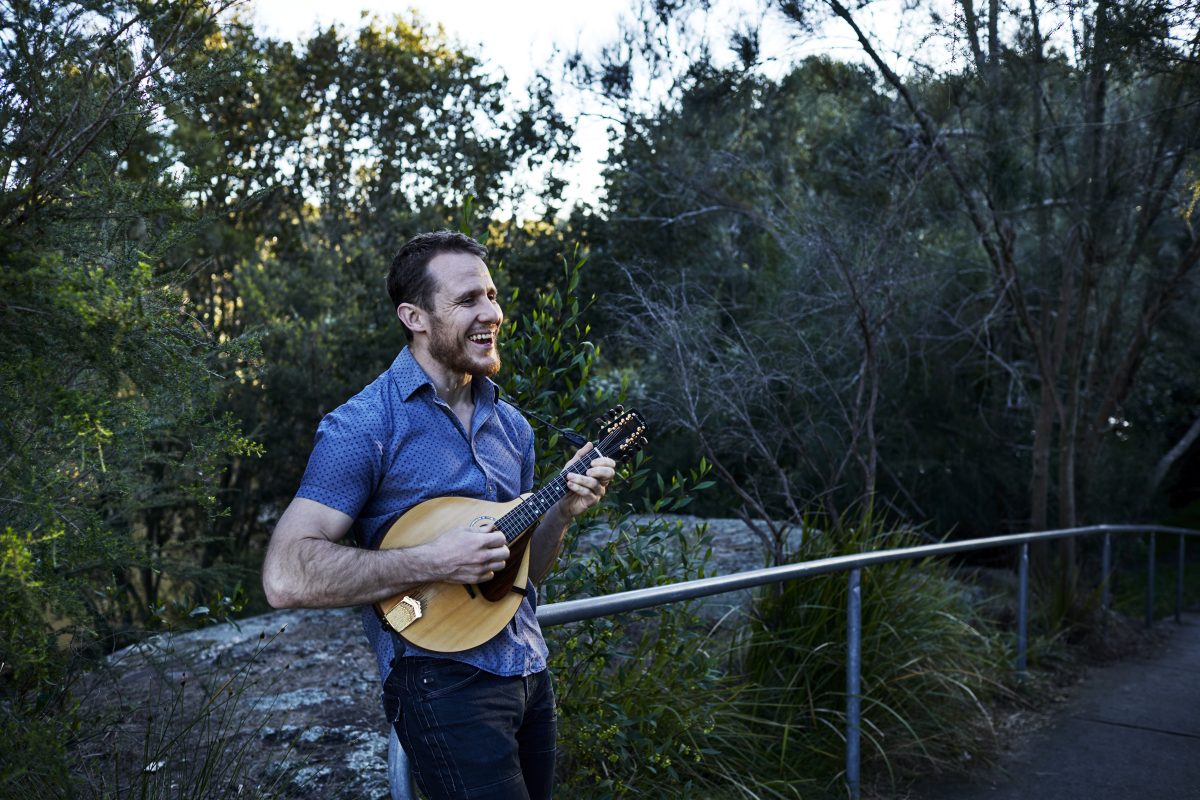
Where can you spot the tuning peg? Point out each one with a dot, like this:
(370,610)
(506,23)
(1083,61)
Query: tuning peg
(620,409)
(643,441)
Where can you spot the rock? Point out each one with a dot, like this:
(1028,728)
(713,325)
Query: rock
(290,700)
(290,697)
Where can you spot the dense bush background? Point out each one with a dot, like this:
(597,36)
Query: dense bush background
(956,293)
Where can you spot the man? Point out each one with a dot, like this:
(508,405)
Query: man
(478,723)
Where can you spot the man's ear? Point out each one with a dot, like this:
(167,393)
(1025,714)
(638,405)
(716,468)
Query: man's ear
(413,317)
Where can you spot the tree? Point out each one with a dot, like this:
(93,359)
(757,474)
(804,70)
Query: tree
(1073,174)
(1038,246)
(773,285)
(107,383)
(313,164)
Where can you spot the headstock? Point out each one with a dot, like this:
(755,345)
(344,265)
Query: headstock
(623,433)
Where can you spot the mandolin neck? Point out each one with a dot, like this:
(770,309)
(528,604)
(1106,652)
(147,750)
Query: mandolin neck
(534,507)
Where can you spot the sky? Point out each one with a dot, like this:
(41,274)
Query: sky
(520,36)
(517,36)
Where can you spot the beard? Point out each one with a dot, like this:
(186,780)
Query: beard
(454,354)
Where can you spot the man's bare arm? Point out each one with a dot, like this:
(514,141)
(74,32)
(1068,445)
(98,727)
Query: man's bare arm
(307,566)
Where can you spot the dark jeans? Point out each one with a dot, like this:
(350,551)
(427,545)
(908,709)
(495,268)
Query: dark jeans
(471,734)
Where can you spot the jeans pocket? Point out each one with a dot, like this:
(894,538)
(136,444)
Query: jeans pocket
(393,685)
(436,677)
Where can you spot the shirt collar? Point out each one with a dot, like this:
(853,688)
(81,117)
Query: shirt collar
(408,376)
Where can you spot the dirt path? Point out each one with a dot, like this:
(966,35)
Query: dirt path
(1130,729)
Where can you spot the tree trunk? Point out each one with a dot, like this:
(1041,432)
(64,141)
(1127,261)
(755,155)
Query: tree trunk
(1039,484)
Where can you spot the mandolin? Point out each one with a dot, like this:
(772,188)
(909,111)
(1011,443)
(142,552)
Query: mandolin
(449,617)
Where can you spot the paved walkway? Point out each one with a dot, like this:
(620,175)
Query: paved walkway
(1130,732)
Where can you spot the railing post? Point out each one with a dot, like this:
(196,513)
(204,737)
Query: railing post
(853,682)
(1022,608)
(1106,573)
(1179,584)
(1150,583)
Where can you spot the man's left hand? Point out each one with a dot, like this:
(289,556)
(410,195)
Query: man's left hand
(584,491)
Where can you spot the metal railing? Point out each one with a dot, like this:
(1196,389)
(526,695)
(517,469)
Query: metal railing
(592,607)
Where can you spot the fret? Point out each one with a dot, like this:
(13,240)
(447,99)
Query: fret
(620,442)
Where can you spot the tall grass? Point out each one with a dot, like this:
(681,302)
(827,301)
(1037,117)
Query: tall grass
(929,669)
(180,736)
(670,707)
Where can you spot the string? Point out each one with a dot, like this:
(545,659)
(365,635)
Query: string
(545,497)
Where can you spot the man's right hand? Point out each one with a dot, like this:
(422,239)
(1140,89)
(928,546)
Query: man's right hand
(464,555)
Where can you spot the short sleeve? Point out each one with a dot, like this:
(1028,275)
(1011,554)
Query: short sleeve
(345,466)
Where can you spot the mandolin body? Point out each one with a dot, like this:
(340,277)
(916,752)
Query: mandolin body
(454,616)
(451,617)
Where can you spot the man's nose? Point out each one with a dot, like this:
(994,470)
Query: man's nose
(491,313)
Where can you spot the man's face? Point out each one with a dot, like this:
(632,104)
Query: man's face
(465,319)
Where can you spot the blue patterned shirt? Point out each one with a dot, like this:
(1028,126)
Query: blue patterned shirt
(396,444)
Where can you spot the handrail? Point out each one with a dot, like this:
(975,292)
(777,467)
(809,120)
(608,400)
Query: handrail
(591,607)
(636,599)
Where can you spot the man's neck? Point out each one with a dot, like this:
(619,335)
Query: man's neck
(453,387)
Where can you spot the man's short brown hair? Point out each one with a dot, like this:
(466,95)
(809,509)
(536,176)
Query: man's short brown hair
(409,280)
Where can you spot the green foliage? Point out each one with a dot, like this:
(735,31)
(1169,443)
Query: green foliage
(929,666)
(637,694)
(621,726)
(33,696)
(549,367)
(110,438)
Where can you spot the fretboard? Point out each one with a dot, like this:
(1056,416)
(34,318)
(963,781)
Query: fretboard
(517,521)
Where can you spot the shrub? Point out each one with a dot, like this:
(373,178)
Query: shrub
(928,665)
(107,394)
(624,728)
(637,693)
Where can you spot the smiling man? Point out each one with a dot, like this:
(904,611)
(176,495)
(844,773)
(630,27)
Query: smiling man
(478,723)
